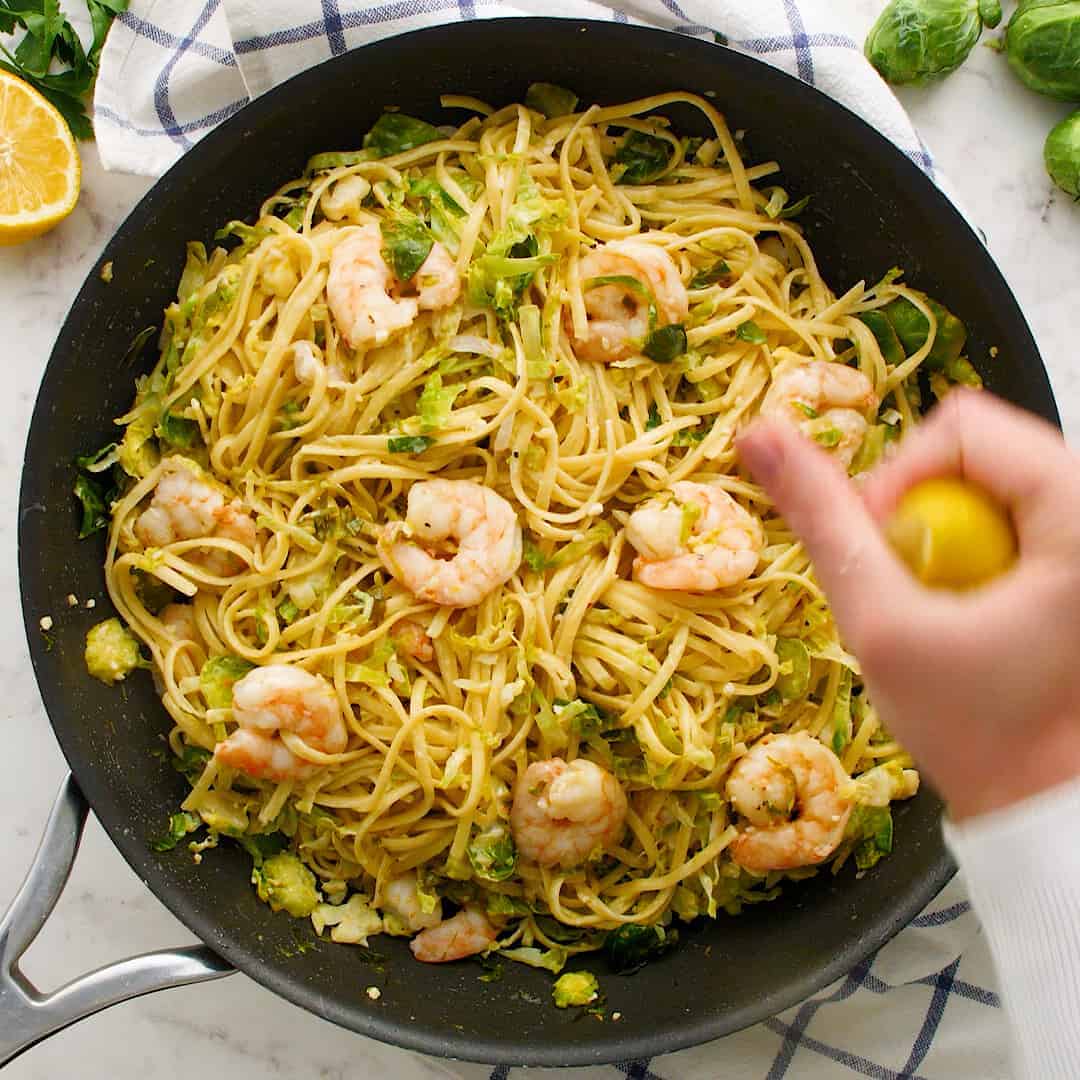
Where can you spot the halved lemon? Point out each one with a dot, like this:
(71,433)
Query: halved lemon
(952,534)
(39,164)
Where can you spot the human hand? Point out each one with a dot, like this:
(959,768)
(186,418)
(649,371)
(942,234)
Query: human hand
(982,687)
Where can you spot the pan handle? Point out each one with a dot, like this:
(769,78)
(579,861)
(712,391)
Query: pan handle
(26,1014)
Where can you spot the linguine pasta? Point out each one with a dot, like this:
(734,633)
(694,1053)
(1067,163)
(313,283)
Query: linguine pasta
(570,657)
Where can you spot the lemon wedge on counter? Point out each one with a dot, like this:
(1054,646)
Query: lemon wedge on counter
(952,534)
(39,164)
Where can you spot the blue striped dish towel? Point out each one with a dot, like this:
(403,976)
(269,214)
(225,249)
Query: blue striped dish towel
(174,69)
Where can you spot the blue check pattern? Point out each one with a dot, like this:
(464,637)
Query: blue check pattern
(195,47)
(889,1018)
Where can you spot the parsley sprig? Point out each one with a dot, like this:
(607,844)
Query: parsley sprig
(52,58)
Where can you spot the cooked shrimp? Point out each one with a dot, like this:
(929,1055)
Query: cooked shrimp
(366,299)
(401,901)
(343,197)
(697,538)
(179,620)
(619,314)
(414,641)
(277,698)
(466,934)
(830,402)
(484,527)
(185,507)
(562,814)
(437,282)
(796,798)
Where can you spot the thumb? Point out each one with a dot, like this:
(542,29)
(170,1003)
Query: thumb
(862,577)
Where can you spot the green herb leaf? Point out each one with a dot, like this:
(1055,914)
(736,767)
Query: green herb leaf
(409,444)
(408,244)
(550,100)
(50,42)
(654,420)
(643,157)
(394,133)
(750,331)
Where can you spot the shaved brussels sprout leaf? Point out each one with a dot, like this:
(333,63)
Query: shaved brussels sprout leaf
(261,846)
(666,344)
(394,133)
(218,676)
(794,679)
(492,854)
(871,830)
(841,713)
(436,402)
(553,960)
(95,510)
(534,558)
(751,332)
(408,243)
(178,431)
(191,761)
(179,826)
(631,947)
(714,275)
(551,100)
(912,329)
(641,158)
(878,324)
(409,444)
(337,160)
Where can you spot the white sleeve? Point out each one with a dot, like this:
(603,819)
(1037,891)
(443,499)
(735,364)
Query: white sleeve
(1022,866)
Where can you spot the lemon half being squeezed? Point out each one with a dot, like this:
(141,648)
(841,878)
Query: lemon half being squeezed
(39,164)
(952,534)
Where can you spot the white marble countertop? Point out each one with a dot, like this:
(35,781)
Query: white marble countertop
(987,134)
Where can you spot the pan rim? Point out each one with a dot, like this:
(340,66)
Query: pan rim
(607,1043)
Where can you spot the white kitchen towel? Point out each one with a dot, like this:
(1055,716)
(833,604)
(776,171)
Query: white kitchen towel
(174,69)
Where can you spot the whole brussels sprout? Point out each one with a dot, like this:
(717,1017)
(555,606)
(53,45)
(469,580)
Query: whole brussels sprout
(1062,155)
(1042,42)
(915,41)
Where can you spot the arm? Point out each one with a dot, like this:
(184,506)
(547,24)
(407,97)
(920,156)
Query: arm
(982,687)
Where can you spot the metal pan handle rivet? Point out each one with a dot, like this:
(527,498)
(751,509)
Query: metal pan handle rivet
(26,1014)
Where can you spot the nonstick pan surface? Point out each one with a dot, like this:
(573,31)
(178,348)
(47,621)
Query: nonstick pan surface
(871,209)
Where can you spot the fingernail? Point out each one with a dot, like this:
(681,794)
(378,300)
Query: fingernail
(762,454)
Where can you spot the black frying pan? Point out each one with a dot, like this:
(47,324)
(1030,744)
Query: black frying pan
(871,209)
